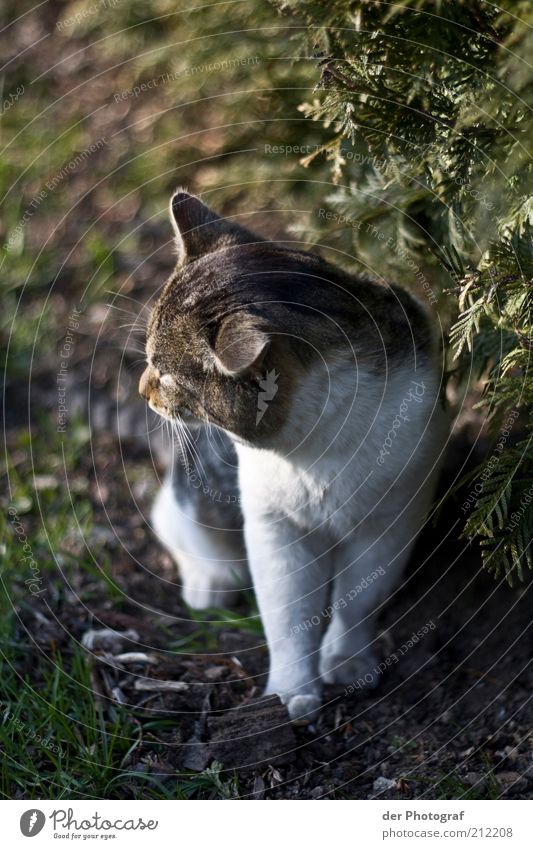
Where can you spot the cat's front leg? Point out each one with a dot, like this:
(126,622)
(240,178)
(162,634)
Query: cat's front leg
(290,582)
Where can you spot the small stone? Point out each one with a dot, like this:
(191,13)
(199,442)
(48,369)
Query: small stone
(510,752)
(475,780)
(215,673)
(382,784)
(511,781)
(317,792)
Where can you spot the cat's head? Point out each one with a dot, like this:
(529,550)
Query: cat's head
(221,345)
(242,320)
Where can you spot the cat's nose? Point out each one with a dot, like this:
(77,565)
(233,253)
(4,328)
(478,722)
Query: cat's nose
(149,381)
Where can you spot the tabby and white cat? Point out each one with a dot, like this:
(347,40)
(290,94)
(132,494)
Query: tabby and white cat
(320,391)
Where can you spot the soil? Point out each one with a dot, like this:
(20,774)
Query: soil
(450,719)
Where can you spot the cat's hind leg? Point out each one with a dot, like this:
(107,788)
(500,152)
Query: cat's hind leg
(198,519)
(370,561)
(368,567)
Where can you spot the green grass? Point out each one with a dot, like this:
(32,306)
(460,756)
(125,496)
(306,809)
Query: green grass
(86,749)
(95,235)
(57,739)
(450,785)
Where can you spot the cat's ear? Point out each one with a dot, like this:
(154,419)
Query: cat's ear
(199,230)
(240,344)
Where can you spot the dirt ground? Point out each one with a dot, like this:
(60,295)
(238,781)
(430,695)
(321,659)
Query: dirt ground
(451,719)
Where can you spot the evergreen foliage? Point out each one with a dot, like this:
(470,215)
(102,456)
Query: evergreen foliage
(428,107)
(395,133)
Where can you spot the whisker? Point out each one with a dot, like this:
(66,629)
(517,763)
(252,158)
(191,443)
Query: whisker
(183,453)
(158,425)
(133,326)
(120,309)
(142,304)
(137,362)
(190,459)
(190,448)
(194,450)
(127,349)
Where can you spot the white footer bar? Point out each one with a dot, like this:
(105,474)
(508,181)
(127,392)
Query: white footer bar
(268,824)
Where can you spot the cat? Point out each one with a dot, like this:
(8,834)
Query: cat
(306,402)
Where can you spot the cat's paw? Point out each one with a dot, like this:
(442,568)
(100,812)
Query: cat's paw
(304,707)
(361,670)
(299,705)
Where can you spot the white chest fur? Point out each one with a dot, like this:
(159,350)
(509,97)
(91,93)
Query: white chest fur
(348,448)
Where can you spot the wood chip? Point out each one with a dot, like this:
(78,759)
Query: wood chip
(134,657)
(118,695)
(153,686)
(107,639)
(259,788)
(256,734)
